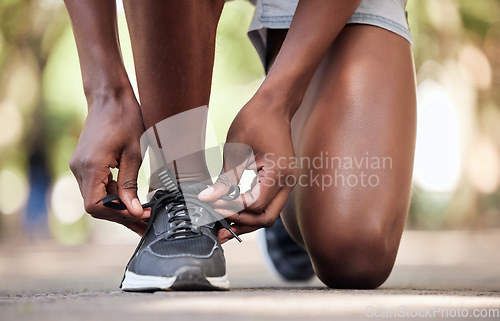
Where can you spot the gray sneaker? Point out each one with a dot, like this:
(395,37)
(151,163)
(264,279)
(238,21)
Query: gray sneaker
(179,250)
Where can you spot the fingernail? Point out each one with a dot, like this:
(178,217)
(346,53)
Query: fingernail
(207,191)
(136,204)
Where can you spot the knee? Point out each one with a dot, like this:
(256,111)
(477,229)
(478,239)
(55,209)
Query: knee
(355,260)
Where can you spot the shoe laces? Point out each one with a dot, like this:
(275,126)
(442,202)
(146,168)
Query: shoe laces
(178,214)
(176,209)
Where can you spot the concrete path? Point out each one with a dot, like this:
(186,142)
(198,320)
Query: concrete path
(450,274)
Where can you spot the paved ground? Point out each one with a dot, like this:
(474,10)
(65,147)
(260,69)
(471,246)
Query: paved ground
(437,274)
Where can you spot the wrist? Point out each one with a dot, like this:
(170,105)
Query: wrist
(101,80)
(109,94)
(281,97)
(102,71)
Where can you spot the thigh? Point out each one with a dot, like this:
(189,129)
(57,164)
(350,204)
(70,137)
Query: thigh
(359,119)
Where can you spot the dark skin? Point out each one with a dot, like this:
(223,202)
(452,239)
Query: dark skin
(276,101)
(343,89)
(110,137)
(352,234)
(174,56)
(362,98)
(115,122)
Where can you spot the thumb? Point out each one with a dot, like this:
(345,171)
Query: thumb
(214,192)
(127,184)
(237,157)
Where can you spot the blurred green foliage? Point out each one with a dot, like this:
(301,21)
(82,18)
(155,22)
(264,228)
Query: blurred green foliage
(42,106)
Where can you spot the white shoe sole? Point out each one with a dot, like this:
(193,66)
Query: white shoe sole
(185,279)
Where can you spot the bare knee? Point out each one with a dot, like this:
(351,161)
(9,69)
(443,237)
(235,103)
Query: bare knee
(356,259)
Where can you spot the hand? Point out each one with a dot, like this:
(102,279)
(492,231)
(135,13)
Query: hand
(267,133)
(111,139)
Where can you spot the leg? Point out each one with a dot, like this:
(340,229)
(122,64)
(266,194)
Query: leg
(361,100)
(282,253)
(174,44)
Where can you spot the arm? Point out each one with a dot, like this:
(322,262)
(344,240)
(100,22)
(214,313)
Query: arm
(315,26)
(264,122)
(112,130)
(96,33)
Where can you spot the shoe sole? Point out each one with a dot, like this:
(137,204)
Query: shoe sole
(186,279)
(264,254)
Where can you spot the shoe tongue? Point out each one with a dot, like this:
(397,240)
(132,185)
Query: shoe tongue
(161,223)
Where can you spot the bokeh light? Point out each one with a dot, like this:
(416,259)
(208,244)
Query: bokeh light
(437,156)
(484,165)
(13,190)
(66,201)
(476,67)
(43,108)
(11,124)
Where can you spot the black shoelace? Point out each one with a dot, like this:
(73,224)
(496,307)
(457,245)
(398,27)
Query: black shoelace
(177,213)
(176,209)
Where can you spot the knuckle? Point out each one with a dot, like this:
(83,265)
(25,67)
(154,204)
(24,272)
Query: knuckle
(129,184)
(91,209)
(78,163)
(73,164)
(88,162)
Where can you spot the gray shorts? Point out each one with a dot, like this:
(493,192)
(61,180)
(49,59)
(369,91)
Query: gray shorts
(278,14)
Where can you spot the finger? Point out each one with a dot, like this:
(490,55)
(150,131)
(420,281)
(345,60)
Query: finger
(250,201)
(224,235)
(265,191)
(93,186)
(127,182)
(96,208)
(112,186)
(242,202)
(227,213)
(78,178)
(138,227)
(245,201)
(265,218)
(245,222)
(214,192)
(237,158)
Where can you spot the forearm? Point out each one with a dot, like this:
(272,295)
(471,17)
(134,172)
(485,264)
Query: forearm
(96,33)
(315,26)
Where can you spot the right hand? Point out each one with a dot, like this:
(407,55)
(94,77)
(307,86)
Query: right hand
(111,139)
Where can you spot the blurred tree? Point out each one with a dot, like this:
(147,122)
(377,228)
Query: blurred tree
(28,30)
(457,45)
(42,107)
